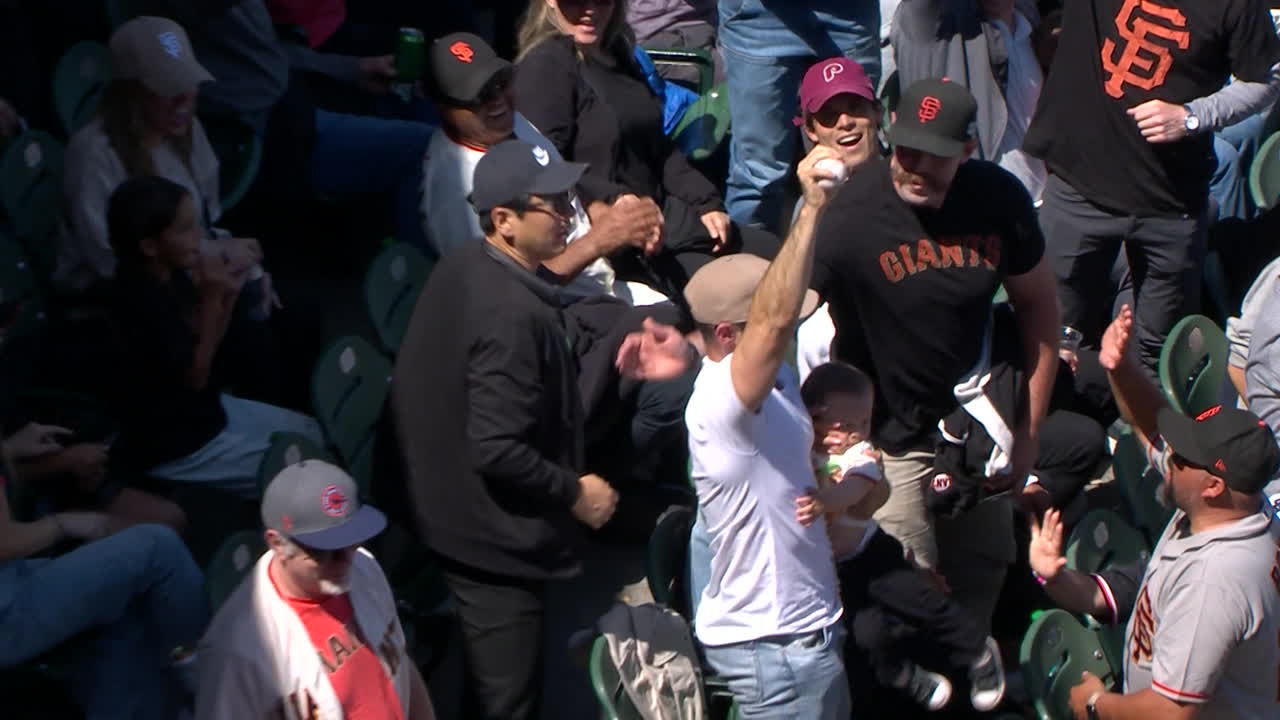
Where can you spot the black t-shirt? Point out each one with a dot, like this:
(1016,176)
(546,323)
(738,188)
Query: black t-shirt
(163,419)
(910,289)
(1116,54)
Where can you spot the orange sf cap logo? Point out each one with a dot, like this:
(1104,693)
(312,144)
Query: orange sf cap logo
(462,51)
(929,108)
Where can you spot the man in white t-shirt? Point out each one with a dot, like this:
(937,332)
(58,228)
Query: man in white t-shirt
(471,87)
(769,617)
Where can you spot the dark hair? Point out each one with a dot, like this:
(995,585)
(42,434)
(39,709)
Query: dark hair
(833,377)
(518,206)
(141,208)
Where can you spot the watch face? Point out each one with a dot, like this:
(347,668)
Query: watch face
(1193,123)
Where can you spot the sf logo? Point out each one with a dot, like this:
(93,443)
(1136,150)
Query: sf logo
(1142,62)
(929,108)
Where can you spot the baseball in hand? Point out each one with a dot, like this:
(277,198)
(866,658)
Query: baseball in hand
(835,169)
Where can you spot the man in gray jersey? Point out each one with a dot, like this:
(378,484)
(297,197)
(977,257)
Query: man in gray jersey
(1203,636)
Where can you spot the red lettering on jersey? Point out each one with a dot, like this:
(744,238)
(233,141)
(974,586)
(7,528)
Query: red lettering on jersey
(1144,630)
(891,267)
(1143,63)
(952,252)
(991,251)
(973,243)
(905,251)
(925,254)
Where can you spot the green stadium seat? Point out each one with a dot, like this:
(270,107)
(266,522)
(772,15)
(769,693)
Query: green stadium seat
(704,125)
(31,194)
(1102,540)
(1264,173)
(667,559)
(239,152)
(287,449)
(606,682)
(1056,649)
(79,80)
(1193,365)
(1138,484)
(233,560)
(348,391)
(391,287)
(700,59)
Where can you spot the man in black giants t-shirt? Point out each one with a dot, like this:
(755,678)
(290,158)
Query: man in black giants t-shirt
(909,256)
(1125,125)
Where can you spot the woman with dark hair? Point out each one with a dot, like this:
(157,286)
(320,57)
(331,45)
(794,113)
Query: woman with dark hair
(173,308)
(146,125)
(578,82)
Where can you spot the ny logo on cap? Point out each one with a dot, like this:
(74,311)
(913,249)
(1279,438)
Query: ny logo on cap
(941,483)
(462,51)
(169,41)
(830,72)
(333,501)
(929,108)
(540,154)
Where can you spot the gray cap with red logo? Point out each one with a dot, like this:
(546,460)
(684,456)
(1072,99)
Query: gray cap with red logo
(318,505)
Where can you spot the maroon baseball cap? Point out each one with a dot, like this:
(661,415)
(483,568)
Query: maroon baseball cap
(831,77)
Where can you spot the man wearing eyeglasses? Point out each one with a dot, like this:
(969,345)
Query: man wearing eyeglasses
(471,88)
(1204,614)
(312,632)
(491,422)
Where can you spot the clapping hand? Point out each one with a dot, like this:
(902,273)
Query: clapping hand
(656,352)
(1045,550)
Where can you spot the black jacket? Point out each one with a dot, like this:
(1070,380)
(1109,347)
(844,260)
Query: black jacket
(606,115)
(489,417)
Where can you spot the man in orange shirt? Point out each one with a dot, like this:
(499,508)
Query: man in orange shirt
(312,633)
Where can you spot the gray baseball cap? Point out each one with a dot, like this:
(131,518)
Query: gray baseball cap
(156,52)
(318,505)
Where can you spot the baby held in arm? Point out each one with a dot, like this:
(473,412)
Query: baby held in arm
(850,480)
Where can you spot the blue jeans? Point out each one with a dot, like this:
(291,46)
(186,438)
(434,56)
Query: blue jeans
(141,593)
(230,461)
(367,154)
(787,676)
(762,104)
(699,563)
(1235,147)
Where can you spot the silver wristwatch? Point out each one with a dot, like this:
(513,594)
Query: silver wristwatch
(1192,123)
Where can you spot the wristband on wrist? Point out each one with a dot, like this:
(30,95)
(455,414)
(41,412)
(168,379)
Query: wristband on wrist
(1042,580)
(1091,707)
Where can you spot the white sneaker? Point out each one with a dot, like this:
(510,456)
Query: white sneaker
(930,689)
(986,679)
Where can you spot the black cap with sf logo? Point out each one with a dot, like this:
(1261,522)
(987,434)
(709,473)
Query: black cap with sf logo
(1232,444)
(935,116)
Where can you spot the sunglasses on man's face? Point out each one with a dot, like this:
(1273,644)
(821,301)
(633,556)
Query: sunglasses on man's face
(323,557)
(494,89)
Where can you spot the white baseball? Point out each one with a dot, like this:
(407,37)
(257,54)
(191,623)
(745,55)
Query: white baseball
(833,167)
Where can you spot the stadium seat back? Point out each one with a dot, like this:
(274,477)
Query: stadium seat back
(1139,484)
(1102,540)
(1264,173)
(287,449)
(31,194)
(233,560)
(239,152)
(705,125)
(79,80)
(611,694)
(1056,649)
(693,57)
(667,561)
(348,391)
(391,288)
(1193,365)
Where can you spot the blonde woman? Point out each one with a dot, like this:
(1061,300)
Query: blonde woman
(578,83)
(146,125)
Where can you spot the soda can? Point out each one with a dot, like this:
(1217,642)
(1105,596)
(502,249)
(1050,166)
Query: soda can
(411,55)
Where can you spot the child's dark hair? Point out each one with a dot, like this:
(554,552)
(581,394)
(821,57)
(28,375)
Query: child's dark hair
(834,377)
(140,208)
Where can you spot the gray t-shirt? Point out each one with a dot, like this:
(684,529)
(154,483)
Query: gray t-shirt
(1206,626)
